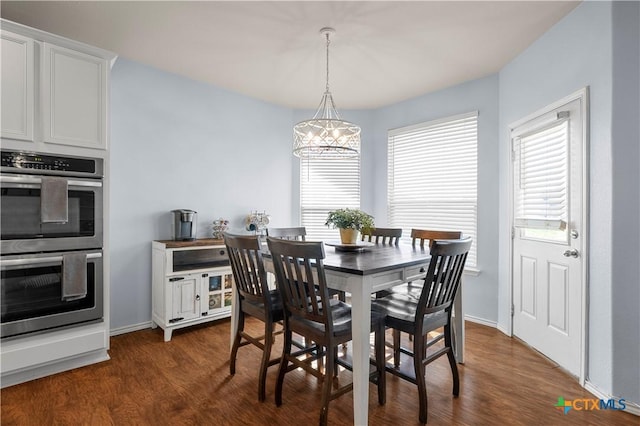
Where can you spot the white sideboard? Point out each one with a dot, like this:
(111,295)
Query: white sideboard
(192,283)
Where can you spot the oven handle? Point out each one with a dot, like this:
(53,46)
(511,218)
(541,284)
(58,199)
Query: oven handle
(36,180)
(39,260)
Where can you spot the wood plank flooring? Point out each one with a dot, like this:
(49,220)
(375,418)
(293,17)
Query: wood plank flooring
(187,382)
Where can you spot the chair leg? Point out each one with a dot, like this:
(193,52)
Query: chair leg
(236,344)
(326,386)
(266,355)
(380,364)
(396,348)
(284,363)
(419,368)
(452,360)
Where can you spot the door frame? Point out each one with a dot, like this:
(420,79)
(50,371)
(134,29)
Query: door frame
(583,96)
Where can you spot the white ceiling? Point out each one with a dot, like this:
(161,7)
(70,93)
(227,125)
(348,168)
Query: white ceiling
(383,51)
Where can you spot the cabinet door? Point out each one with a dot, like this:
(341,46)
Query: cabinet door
(74,97)
(185,297)
(219,288)
(17,81)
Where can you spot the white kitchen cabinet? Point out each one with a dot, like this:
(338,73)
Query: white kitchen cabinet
(54,92)
(17,82)
(192,283)
(74,97)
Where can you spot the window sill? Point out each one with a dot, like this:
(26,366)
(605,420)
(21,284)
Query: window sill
(472,272)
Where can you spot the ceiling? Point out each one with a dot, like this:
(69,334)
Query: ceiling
(382,52)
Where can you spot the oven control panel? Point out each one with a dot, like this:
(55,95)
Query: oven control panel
(28,162)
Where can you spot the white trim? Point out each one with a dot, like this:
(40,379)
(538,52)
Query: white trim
(25,375)
(631,407)
(399,130)
(583,96)
(131,328)
(481,321)
(504,330)
(472,272)
(41,36)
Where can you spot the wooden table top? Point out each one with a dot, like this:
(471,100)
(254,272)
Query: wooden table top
(373,259)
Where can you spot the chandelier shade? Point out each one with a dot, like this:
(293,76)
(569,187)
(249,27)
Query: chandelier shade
(326,134)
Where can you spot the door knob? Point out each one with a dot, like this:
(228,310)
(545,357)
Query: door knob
(571,253)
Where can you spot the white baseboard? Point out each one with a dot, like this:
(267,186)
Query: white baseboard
(130,328)
(630,406)
(480,321)
(503,330)
(25,375)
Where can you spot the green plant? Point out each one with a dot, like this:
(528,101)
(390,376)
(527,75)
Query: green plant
(349,219)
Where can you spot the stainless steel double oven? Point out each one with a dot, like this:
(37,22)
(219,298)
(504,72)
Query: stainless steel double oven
(52,239)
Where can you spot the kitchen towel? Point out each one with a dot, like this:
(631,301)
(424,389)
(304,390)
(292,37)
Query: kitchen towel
(74,276)
(54,200)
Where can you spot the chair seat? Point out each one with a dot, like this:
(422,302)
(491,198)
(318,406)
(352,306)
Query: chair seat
(341,316)
(258,309)
(400,310)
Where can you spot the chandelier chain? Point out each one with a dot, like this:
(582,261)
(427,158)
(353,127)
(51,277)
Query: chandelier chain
(327,87)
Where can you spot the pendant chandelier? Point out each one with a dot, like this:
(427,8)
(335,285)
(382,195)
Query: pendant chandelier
(326,135)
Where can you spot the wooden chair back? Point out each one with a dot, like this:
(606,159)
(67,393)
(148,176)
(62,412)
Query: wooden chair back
(443,276)
(291,233)
(300,278)
(249,274)
(422,235)
(381,235)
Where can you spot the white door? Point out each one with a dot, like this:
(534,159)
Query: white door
(549,240)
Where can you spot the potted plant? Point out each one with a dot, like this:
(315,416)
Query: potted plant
(349,222)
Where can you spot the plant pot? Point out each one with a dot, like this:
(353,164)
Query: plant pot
(348,235)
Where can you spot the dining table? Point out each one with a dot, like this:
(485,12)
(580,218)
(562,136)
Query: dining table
(362,270)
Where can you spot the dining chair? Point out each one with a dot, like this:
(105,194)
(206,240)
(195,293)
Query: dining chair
(291,233)
(308,311)
(256,300)
(430,312)
(389,236)
(300,234)
(381,235)
(420,237)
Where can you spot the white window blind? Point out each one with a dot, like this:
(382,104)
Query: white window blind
(327,184)
(432,177)
(541,163)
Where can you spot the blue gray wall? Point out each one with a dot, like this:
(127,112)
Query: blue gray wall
(177,143)
(591,47)
(481,291)
(625,235)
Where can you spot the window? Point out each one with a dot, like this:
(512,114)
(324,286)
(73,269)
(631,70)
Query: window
(327,184)
(541,185)
(432,177)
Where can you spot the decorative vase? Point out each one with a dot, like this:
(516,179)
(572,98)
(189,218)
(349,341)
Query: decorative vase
(348,235)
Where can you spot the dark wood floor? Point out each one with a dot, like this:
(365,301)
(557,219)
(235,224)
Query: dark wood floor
(187,382)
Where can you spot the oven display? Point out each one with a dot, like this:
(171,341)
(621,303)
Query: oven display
(22,160)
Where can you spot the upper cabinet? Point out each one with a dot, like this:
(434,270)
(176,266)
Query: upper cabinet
(74,94)
(17,81)
(54,91)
